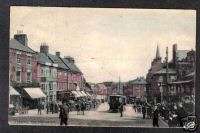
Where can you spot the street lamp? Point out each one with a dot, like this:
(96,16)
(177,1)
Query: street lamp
(161,92)
(160,85)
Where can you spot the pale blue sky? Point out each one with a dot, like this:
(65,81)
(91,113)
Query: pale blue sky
(107,43)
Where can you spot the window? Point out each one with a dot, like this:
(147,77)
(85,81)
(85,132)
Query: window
(18,59)
(43,87)
(50,86)
(18,76)
(28,76)
(50,97)
(42,72)
(29,61)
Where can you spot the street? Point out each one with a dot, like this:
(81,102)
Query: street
(98,117)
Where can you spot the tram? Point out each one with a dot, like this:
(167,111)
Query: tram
(114,102)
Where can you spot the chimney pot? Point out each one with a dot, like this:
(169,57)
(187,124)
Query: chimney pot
(22,38)
(44,48)
(58,54)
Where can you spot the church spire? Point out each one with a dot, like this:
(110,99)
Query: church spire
(157,53)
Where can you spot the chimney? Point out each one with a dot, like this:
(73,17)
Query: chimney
(44,48)
(70,59)
(22,38)
(58,54)
(174,49)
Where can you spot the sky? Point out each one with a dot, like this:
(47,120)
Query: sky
(106,43)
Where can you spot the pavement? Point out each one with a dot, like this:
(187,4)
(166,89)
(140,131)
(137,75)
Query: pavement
(98,117)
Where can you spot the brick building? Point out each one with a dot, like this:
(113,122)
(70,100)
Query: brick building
(22,61)
(47,74)
(136,88)
(174,80)
(182,88)
(152,87)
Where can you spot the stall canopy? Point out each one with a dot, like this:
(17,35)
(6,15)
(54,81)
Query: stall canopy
(76,94)
(88,94)
(84,94)
(80,94)
(35,93)
(13,92)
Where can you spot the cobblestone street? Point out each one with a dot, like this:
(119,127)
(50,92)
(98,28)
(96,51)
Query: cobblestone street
(99,117)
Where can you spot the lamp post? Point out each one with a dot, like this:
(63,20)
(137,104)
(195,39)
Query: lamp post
(161,92)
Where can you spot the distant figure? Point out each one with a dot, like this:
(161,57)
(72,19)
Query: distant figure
(78,107)
(83,106)
(39,108)
(135,107)
(52,107)
(64,114)
(121,109)
(149,112)
(155,117)
(143,111)
(181,113)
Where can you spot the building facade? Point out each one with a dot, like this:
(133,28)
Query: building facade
(47,74)
(22,61)
(136,89)
(152,86)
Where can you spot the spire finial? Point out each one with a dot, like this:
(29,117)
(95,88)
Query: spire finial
(157,53)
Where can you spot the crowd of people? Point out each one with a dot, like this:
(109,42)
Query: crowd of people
(172,114)
(64,107)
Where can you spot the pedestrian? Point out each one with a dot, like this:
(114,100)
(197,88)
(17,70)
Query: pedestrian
(78,107)
(64,114)
(121,109)
(39,108)
(83,106)
(181,113)
(135,107)
(155,117)
(143,111)
(51,107)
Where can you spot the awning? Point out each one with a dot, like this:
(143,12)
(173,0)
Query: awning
(13,92)
(76,94)
(88,94)
(81,94)
(35,93)
(181,82)
(84,94)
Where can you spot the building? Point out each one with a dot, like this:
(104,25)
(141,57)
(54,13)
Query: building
(136,89)
(152,86)
(23,71)
(174,81)
(75,76)
(182,89)
(47,74)
(22,61)
(101,91)
(62,77)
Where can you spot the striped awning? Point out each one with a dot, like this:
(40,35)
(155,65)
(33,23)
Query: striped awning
(76,94)
(84,94)
(13,92)
(35,93)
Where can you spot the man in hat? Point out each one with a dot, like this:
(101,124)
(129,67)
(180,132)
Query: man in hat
(64,114)
(155,117)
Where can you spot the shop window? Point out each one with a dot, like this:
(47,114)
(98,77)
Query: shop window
(28,76)
(18,76)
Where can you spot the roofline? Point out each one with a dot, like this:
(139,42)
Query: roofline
(23,45)
(69,67)
(34,52)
